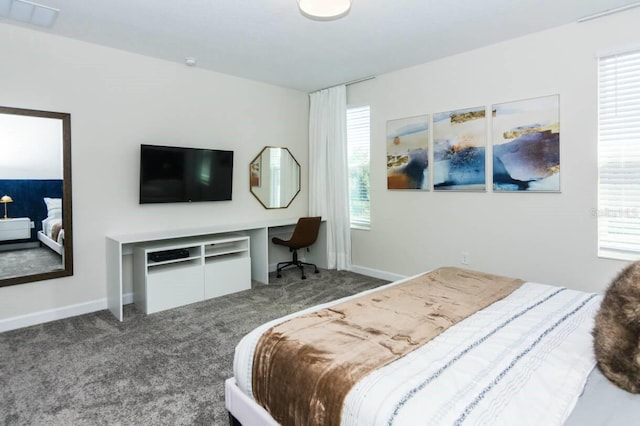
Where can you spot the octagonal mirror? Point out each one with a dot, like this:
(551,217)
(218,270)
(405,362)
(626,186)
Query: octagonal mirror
(274,177)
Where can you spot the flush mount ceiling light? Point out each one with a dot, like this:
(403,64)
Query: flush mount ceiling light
(31,13)
(324,10)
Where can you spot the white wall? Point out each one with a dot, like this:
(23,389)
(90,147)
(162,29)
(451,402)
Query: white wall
(117,101)
(31,147)
(548,238)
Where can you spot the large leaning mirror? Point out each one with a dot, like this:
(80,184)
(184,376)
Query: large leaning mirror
(36,236)
(274,177)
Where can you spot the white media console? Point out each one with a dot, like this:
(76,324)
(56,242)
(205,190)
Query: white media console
(211,267)
(214,261)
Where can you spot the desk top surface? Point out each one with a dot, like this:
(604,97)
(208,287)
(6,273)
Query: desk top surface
(164,234)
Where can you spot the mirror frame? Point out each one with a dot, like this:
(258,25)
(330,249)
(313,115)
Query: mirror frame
(299,177)
(67,221)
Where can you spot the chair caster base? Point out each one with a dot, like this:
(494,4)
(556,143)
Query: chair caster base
(279,275)
(304,277)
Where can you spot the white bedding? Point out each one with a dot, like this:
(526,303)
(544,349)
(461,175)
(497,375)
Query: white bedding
(522,360)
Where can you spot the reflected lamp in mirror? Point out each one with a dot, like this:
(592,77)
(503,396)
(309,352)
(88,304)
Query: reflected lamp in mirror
(274,177)
(4,200)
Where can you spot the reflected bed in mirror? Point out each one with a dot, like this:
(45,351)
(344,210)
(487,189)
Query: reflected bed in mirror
(274,177)
(35,196)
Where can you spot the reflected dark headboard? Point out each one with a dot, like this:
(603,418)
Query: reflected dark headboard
(28,197)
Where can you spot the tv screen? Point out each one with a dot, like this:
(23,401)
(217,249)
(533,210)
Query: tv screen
(175,174)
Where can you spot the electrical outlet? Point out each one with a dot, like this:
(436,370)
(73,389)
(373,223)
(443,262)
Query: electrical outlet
(464,258)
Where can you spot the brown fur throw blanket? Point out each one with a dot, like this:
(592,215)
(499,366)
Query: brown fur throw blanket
(617,330)
(303,368)
(55,231)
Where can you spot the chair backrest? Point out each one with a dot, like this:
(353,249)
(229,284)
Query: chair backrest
(305,233)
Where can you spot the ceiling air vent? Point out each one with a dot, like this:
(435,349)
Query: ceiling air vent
(31,13)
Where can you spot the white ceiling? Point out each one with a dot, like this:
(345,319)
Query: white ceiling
(270,41)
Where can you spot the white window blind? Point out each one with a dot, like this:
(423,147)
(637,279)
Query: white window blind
(619,156)
(358,142)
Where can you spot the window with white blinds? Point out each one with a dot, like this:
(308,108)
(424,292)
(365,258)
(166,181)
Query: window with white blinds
(358,147)
(619,156)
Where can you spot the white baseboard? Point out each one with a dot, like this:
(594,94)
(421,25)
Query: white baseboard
(127,298)
(273,267)
(375,273)
(42,317)
(383,275)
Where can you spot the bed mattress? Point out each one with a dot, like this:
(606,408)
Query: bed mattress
(523,360)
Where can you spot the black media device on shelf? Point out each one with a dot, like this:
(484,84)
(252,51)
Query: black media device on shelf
(161,256)
(175,174)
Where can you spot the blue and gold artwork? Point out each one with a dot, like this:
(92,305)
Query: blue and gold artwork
(459,145)
(407,153)
(526,145)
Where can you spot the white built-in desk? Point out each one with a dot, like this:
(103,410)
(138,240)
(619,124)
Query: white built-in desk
(261,251)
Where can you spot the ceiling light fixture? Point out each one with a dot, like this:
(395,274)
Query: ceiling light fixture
(31,13)
(324,10)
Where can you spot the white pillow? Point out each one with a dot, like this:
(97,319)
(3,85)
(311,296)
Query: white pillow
(54,207)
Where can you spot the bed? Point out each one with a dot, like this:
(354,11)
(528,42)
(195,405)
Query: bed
(52,232)
(525,358)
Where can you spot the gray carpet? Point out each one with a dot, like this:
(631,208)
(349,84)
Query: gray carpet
(166,368)
(16,263)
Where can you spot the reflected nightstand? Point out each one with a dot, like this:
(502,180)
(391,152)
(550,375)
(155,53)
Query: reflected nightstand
(15,229)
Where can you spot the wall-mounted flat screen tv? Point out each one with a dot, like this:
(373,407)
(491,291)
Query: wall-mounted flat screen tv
(175,174)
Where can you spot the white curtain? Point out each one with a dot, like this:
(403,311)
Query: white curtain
(328,171)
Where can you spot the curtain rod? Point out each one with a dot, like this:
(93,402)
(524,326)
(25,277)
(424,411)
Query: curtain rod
(608,12)
(348,83)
